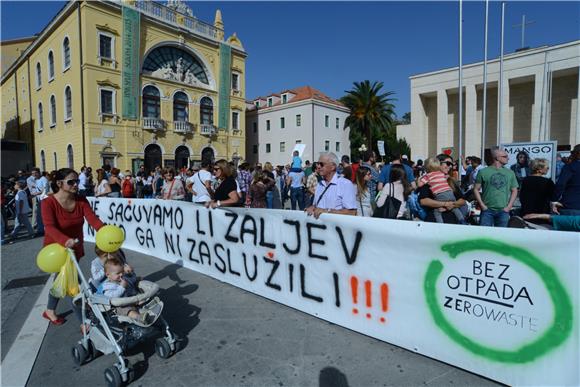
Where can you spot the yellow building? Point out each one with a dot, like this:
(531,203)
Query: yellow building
(126,83)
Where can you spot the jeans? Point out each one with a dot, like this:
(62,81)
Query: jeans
(270,199)
(493,218)
(39,224)
(21,221)
(297,195)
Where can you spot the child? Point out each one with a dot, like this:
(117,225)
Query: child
(98,267)
(116,286)
(437,181)
(296,162)
(22,211)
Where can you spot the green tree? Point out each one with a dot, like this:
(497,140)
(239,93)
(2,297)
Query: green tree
(371,111)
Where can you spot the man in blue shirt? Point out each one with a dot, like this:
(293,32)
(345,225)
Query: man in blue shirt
(386,172)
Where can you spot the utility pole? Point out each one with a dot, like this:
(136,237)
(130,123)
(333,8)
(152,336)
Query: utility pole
(500,96)
(460,148)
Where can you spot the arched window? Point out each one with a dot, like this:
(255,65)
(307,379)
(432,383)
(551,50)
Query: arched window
(50,66)
(206,111)
(173,63)
(40,116)
(38,75)
(67,103)
(180,107)
(151,102)
(42,160)
(65,53)
(52,110)
(70,156)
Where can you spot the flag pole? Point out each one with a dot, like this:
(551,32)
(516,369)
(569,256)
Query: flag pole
(460,148)
(484,113)
(500,97)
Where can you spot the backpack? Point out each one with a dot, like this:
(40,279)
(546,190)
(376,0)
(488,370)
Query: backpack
(415,207)
(127,188)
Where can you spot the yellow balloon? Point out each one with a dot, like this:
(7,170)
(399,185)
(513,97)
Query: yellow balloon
(110,238)
(51,258)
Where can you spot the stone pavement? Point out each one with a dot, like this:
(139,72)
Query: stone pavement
(230,338)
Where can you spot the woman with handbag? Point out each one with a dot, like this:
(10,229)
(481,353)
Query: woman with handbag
(392,200)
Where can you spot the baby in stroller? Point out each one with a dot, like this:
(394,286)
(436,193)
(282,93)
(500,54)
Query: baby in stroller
(119,311)
(113,277)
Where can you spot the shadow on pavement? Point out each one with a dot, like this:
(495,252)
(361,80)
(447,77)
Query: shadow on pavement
(181,316)
(332,377)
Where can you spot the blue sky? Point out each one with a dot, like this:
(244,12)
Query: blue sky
(329,45)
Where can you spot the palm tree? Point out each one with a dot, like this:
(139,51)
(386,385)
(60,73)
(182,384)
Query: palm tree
(370,110)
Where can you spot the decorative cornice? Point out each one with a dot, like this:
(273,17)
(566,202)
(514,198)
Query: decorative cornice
(108,83)
(107,29)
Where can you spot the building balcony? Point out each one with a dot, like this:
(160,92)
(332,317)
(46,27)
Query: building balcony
(207,129)
(155,124)
(168,15)
(183,127)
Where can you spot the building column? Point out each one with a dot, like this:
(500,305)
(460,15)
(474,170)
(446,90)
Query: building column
(537,119)
(507,124)
(443,136)
(417,125)
(472,135)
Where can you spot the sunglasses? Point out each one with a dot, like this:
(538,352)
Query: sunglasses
(217,169)
(72,182)
(448,163)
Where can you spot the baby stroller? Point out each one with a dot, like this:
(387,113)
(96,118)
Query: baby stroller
(111,333)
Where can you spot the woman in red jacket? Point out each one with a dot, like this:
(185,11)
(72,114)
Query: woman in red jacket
(63,215)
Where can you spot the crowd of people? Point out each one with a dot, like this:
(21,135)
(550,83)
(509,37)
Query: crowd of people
(438,189)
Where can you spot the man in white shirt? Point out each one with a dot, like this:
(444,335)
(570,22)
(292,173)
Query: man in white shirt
(22,211)
(38,190)
(83,182)
(334,193)
(200,184)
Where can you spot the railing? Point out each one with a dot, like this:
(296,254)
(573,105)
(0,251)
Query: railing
(207,130)
(153,123)
(182,127)
(161,12)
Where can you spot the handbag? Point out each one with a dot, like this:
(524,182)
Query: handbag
(390,209)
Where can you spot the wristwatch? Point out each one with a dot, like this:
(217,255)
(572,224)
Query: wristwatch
(219,204)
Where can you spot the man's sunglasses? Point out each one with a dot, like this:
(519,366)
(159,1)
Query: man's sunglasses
(72,182)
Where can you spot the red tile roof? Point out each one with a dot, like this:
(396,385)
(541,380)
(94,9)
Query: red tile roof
(300,94)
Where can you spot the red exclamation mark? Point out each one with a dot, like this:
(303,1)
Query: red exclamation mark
(384,299)
(368,288)
(354,290)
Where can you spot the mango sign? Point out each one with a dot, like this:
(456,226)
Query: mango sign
(502,304)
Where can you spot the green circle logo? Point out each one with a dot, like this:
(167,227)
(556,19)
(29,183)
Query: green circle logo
(554,335)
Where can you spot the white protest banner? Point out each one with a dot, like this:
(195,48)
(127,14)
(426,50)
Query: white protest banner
(499,303)
(535,150)
(381,146)
(300,148)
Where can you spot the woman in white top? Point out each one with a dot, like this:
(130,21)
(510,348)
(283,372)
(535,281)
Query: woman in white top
(363,195)
(401,189)
(103,189)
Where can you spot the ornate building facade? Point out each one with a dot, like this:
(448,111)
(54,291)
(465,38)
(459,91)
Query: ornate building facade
(126,83)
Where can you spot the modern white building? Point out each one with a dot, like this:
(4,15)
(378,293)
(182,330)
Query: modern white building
(277,122)
(540,102)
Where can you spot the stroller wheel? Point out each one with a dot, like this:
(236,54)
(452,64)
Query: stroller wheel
(162,348)
(79,354)
(113,377)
